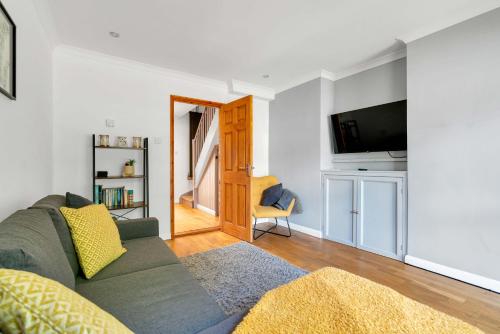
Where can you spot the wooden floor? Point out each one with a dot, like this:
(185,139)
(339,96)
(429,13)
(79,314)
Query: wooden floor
(187,219)
(474,305)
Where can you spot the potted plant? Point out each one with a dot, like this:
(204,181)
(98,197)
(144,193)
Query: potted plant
(129,169)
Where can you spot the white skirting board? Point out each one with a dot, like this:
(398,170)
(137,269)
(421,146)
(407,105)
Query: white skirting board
(205,209)
(303,229)
(460,275)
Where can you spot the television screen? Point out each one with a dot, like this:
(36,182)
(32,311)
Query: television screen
(374,129)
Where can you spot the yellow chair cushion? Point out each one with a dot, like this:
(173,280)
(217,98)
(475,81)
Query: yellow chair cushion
(95,236)
(333,301)
(33,304)
(272,212)
(259,184)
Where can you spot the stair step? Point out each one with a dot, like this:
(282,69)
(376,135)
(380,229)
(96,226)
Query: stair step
(187,201)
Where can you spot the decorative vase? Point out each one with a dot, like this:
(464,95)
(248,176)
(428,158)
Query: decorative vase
(122,141)
(128,170)
(136,142)
(104,140)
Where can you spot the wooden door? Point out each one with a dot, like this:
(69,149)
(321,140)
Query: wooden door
(236,160)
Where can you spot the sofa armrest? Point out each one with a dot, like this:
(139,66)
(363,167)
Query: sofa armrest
(138,228)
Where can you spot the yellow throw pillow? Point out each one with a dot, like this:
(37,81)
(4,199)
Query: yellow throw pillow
(33,304)
(95,236)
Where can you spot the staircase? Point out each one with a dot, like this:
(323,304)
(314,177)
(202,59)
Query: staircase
(203,144)
(202,132)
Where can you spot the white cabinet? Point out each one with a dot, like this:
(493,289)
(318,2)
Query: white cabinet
(366,210)
(341,195)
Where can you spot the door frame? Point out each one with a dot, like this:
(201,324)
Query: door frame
(194,101)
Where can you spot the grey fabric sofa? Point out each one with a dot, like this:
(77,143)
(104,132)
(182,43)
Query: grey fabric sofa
(147,288)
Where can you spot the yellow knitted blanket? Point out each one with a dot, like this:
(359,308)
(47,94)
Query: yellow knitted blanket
(331,300)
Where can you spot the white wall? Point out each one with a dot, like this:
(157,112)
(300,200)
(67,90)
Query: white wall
(90,87)
(260,137)
(26,124)
(453,145)
(181,149)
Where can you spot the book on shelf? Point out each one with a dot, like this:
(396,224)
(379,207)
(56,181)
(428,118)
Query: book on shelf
(114,197)
(130,196)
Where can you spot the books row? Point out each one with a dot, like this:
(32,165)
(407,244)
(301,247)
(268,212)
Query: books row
(114,197)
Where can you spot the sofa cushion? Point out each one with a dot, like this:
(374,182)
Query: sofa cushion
(271,195)
(52,204)
(285,200)
(76,201)
(29,242)
(161,300)
(226,326)
(34,304)
(95,235)
(142,254)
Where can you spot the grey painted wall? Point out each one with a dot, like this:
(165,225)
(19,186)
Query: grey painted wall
(327,108)
(454,145)
(294,147)
(300,137)
(379,85)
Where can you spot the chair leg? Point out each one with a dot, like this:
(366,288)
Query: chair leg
(289,229)
(269,229)
(254,228)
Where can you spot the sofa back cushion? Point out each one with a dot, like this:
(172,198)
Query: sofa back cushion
(29,242)
(52,204)
(75,201)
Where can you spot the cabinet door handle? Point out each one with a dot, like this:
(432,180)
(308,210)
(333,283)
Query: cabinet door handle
(355,212)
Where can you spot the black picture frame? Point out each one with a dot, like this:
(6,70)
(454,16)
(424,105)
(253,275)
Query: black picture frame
(12,94)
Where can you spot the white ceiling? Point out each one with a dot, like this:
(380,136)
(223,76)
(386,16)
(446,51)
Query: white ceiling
(244,39)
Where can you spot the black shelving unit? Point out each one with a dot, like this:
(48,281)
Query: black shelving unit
(144,204)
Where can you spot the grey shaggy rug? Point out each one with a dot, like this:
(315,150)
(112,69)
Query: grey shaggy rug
(237,276)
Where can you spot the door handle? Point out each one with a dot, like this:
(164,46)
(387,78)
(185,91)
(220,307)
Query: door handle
(249,170)
(355,212)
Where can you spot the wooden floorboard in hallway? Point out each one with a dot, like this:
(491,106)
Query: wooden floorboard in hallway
(474,305)
(188,219)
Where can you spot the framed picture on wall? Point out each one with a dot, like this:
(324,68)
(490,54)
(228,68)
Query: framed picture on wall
(7,54)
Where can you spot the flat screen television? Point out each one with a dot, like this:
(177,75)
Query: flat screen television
(373,129)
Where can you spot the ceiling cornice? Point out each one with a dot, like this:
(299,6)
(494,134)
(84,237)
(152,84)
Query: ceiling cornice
(364,66)
(345,72)
(246,88)
(135,65)
(233,87)
(306,78)
(450,20)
